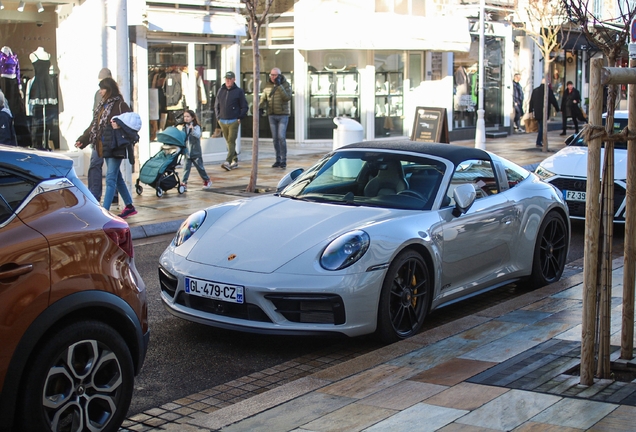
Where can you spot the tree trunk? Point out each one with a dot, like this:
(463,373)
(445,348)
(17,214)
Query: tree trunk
(629,270)
(546,100)
(592,228)
(251,186)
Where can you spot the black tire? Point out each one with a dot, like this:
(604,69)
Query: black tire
(550,251)
(95,385)
(139,190)
(405,298)
(159,192)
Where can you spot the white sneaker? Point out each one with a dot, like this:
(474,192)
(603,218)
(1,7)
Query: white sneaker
(234,165)
(207,184)
(226,166)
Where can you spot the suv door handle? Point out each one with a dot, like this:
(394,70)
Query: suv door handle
(15,272)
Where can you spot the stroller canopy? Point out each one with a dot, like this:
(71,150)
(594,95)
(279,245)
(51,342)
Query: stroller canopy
(172,136)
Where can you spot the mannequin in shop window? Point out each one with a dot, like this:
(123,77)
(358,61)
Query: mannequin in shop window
(42,98)
(11,86)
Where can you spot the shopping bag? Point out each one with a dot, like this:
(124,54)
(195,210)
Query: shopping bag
(531,123)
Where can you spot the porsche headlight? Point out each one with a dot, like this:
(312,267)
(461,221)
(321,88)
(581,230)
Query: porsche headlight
(189,227)
(543,173)
(345,250)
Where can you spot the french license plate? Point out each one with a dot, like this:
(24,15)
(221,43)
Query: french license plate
(214,290)
(574,195)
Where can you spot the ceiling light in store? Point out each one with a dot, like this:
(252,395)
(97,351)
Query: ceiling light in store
(1,6)
(21,6)
(40,7)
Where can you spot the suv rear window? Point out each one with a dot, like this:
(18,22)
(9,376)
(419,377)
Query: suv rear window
(13,190)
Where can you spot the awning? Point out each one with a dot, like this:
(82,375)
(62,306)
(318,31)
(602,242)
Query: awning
(319,26)
(575,41)
(196,23)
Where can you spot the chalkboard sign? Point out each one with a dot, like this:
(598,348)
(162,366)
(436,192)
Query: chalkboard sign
(430,125)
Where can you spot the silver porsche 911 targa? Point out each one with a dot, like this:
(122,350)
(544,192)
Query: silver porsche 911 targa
(370,239)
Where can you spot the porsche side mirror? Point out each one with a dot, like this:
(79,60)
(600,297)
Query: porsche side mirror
(288,178)
(464,196)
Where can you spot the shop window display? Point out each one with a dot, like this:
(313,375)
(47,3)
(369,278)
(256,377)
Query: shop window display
(466,85)
(11,85)
(389,93)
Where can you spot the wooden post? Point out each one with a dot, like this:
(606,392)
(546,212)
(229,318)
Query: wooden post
(629,269)
(592,227)
(615,75)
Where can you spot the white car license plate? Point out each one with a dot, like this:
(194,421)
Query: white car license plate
(214,290)
(574,196)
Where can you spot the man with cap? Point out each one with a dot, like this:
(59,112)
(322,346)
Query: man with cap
(230,107)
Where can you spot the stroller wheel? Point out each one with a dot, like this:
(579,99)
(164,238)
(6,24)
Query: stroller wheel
(181,189)
(159,192)
(139,190)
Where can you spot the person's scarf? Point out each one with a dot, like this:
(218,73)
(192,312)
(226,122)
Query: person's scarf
(100,118)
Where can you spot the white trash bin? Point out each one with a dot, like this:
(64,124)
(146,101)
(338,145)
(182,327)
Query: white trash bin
(348,131)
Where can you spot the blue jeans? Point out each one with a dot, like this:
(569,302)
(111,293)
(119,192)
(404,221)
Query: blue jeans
(540,133)
(198,164)
(278,126)
(95,175)
(115,182)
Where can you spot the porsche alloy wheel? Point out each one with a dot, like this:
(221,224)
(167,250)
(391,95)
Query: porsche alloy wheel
(405,298)
(550,251)
(81,380)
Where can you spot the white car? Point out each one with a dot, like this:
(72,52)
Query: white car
(370,239)
(567,170)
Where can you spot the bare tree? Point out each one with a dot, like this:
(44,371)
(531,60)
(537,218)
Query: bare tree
(609,33)
(545,25)
(256,11)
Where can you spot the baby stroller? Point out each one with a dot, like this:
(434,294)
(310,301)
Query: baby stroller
(159,171)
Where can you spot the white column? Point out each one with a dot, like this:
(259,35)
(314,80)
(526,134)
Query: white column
(480,132)
(123,74)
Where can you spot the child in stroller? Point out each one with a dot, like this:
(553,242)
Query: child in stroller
(159,171)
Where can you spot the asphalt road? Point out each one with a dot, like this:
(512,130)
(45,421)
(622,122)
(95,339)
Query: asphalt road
(185,358)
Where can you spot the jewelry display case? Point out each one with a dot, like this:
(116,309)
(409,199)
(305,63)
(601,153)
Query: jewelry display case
(389,104)
(331,94)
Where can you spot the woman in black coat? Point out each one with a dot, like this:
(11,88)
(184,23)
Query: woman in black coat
(570,107)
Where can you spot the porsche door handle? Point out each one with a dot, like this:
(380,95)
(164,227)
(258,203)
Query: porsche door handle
(507,220)
(15,272)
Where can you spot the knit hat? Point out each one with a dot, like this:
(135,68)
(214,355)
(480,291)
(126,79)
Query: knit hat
(104,73)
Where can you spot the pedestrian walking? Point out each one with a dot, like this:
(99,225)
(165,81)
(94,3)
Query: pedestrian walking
(96,163)
(518,102)
(100,135)
(536,107)
(7,125)
(125,135)
(194,155)
(276,99)
(570,107)
(230,107)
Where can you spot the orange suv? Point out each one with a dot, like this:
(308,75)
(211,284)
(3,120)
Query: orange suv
(73,309)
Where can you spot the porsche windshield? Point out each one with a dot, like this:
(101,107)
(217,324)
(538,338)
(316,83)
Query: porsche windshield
(371,178)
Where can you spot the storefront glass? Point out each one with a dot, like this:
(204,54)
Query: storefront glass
(270,58)
(334,90)
(169,82)
(466,90)
(389,93)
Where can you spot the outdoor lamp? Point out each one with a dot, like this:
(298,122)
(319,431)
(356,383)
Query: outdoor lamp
(21,6)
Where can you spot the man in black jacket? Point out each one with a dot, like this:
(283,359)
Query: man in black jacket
(570,107)
(536,107)
(230,107)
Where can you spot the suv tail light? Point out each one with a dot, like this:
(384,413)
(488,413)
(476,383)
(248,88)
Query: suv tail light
(119,232)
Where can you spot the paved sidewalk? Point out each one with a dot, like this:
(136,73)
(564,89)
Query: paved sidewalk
(511,366)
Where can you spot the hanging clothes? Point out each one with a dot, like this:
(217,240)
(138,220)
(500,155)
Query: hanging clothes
(10,85)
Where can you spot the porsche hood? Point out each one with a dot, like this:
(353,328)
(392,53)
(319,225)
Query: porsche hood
(572,162)
(259,236)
